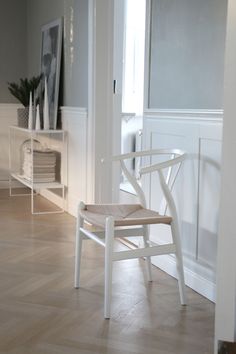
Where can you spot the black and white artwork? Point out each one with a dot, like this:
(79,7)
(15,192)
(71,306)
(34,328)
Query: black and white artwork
(50,65)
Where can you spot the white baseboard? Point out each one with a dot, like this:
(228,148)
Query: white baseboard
(54,198)
(198,280)
(195,281)
(5,184)
(71,202)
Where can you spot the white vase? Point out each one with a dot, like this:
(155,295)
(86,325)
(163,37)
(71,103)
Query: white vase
(37,124)
(46,124)
(30,120)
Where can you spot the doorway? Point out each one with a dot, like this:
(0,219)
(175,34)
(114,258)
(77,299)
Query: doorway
(132,86)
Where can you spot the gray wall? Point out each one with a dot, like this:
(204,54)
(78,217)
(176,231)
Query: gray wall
(13,29)
(75,58)
(187,54)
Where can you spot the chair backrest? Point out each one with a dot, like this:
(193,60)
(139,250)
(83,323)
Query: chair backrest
(172,163)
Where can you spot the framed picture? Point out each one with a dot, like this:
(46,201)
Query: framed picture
(50,65)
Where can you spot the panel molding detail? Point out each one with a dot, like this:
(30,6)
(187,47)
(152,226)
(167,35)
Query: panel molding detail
(213,115)
(193,279)
(199,133)
(79,112)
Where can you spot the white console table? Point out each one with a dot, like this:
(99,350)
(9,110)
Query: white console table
(54,140)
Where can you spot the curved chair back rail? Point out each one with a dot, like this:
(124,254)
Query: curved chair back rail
(152,152)
(176,157)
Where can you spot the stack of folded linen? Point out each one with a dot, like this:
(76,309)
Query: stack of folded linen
(43,168)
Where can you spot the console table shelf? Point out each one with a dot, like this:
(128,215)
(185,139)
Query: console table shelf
(34,185)
(49,141)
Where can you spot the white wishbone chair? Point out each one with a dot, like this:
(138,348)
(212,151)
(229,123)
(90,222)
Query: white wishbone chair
(113,218)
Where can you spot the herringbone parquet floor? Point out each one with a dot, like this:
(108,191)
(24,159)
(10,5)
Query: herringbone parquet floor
(41,312)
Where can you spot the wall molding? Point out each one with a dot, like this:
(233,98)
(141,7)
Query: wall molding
(54,198)
(202,279)
(74,122)
(9,106)
(202,115)
(200,284)
(8,116)
(199,133)
(71,202)
(78,111)
(8,112)
(4,184)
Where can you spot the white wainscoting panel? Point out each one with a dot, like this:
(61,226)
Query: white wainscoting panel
(196,192)
(8,116)
(74,121)
(209,196)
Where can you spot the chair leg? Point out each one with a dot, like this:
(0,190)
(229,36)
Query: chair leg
(179,261)
(148,259)
(78,248)
(109,239)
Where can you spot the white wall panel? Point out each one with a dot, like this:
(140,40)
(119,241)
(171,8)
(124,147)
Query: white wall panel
(75,123)
(166,134)
(196,192)
(209,198)
(8,114)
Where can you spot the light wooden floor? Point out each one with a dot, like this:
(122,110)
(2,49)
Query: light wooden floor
(41,312)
